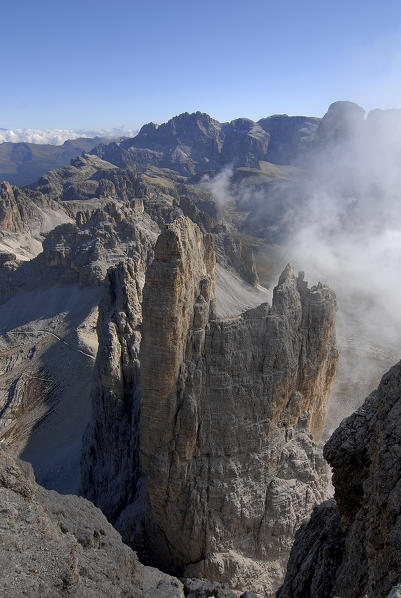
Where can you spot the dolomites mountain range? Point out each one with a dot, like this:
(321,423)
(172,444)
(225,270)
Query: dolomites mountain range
(132,316)
(56,252)
(201,444)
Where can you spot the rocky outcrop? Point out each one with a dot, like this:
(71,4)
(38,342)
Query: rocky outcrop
(10,217)
(110,467)
(316,555)
(54,545)
(25,210)
(343,121)
(290,136)
(218,407)
(364,453)
(190,143)
(227,465)
(81,252)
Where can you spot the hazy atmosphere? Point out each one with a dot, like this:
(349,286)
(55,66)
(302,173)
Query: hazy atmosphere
(200,299)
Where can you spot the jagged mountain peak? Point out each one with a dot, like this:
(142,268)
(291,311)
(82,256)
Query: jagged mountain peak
(343,121)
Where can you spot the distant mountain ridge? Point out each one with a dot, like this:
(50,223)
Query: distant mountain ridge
(23,163)
(192,143)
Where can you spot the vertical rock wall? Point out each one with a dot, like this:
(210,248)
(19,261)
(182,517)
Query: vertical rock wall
(109,466)
(354,543)
(227,408)
(228,464)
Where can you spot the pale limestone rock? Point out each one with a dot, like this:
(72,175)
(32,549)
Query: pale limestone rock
(228,468)
(54,546)
(160,585)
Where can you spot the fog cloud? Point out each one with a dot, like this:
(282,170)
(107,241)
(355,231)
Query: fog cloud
(59,136)
(347,232)
(220,186)
(338,218)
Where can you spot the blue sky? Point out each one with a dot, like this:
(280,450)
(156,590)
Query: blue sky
(91,64)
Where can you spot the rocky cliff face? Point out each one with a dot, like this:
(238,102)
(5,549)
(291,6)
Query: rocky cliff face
(342,122)
(55,545)
(228,468)
(194,143)
(110,467)
(57,242)
(190,143)
(25,216)
(364,454)
(290,136)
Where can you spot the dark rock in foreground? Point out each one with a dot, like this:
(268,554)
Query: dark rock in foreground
(320,542)
(364,453)
(54,546)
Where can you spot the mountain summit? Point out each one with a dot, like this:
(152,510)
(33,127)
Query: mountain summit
(192,143)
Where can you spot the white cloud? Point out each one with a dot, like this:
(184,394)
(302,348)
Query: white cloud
(58,136)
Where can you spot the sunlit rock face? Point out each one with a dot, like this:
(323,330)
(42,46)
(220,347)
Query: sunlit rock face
(228,466)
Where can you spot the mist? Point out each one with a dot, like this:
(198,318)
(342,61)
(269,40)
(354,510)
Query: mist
(337,216)
(220,187)
(348,233)
(59,136)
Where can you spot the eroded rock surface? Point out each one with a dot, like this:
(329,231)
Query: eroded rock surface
(364,453)
(190,143)
(25,216)
(316,555)
(110,467)
(57,242)
(53,545)
(228,467)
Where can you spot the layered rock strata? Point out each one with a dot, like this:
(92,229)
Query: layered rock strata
(364,453)
(228,466)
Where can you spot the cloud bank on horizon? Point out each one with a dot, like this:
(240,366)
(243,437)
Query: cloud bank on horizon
(59,136)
